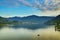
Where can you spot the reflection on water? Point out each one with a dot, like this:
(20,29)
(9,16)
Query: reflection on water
(48,33)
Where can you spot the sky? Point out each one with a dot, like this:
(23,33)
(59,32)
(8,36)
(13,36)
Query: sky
(9,8)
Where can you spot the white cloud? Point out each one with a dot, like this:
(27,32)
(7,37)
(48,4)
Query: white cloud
(49,4)
(24,2)
(48,13)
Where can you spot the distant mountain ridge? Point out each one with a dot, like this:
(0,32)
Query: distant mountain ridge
(32,18)
(29,17)
(32,21)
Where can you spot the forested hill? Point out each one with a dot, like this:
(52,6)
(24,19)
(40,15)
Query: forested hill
(54,21)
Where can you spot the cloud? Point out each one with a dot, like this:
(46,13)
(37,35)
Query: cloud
(48,5)
(47,13)
(24,2)
(43,5)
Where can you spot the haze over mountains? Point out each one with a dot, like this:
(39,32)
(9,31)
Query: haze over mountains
(30,18)
(31,22)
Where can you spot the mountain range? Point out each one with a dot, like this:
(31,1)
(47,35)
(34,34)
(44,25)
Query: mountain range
(32,18)
(31,21)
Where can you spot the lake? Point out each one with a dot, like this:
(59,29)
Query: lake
(47,33)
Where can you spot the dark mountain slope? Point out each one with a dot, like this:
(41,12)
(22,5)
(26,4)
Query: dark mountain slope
(54,20)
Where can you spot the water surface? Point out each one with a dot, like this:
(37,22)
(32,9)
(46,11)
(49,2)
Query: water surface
(47,33)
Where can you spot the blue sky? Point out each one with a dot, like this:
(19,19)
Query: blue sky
(26,7)
(16,11)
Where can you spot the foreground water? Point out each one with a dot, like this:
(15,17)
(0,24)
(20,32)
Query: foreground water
(48,33)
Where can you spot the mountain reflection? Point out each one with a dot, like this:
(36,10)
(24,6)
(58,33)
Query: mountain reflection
(31,26)
(47,33)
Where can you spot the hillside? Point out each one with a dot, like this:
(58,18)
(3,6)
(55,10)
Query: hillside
(3,21)
(54,20)
(31,21)
(31,18)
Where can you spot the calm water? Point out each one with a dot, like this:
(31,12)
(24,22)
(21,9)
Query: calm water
(48,33)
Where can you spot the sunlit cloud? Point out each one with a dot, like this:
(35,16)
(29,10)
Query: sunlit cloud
(47,13)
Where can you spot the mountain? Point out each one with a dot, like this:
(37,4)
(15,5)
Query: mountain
(57,19)
(14,18)
(54,20)
(31,18)
(3,21)
(31,22)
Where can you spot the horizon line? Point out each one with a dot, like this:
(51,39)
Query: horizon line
(29,15)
